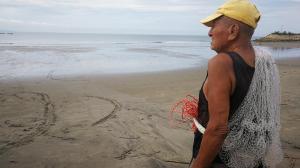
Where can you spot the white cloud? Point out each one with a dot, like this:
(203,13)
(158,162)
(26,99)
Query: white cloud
(136,5)
(154,16)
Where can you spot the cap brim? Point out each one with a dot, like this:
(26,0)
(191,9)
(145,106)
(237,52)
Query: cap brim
(208,20)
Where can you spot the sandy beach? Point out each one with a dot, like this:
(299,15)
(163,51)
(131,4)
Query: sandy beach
(116,120)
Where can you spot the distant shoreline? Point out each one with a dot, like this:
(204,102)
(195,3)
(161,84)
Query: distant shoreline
(279,38)
(6,33)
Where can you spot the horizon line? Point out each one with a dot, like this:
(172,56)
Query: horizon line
(104,33)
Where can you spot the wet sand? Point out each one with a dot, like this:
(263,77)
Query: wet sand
(116,120)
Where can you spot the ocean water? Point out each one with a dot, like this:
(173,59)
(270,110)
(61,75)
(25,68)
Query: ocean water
(25,55)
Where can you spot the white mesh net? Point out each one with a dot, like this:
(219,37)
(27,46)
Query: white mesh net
(254,127)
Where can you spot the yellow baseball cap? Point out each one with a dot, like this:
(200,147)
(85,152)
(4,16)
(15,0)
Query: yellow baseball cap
(241,10)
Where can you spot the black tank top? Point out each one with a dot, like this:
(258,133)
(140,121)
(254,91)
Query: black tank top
(243,75)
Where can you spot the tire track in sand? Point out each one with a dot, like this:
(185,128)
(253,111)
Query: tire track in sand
(116,104)
(41,128)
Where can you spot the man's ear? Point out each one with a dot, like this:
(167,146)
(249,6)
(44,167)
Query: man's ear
(234,31)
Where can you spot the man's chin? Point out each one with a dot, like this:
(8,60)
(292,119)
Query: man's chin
(216,50)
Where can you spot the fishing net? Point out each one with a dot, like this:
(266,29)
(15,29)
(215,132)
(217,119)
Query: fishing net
(254,128)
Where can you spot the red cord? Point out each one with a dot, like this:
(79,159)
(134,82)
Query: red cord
(188,108)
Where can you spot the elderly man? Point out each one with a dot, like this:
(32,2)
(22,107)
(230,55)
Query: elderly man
(239,99)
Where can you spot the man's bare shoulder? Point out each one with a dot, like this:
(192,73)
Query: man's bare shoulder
(220,61)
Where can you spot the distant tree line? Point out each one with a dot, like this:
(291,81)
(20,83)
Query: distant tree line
(285,33)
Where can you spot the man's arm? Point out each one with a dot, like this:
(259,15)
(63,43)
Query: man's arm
(219,86)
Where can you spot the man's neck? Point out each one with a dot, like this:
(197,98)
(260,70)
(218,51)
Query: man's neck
(244,49)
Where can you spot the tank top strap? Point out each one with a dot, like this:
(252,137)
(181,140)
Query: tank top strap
(238,61)
(243,74)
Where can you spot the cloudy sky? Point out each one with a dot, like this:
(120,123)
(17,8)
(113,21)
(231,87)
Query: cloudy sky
(134,16)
